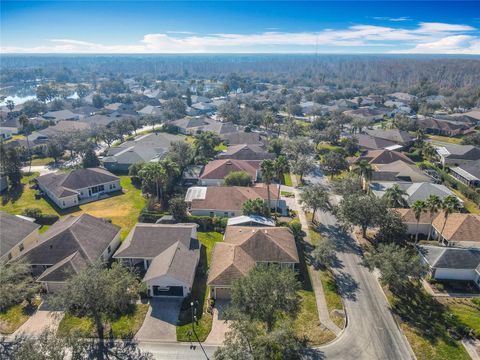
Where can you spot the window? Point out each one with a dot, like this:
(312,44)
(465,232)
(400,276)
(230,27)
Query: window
(96,189)
(225,213)
(211,214)
(20,247)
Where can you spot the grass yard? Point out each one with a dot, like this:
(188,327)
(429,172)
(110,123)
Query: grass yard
(287,179)
(446,139)
(15,316)
(124,327)
(307,324)
(467,310)
(469,205)
(42,161)
(333,298)
(15,201)
(123,209)
(221,147)
(427,324)
(199,292)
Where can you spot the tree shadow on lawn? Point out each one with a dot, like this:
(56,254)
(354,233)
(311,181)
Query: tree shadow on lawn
(426,315)
(12,194)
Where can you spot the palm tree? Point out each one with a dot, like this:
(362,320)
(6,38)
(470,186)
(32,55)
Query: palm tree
(281,167)
(433,205)
(395,196)
(24,123)
(268,172)
(418,207)
(449,205)
(364,169)
(154,173)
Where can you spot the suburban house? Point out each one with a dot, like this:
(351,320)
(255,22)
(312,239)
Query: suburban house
(245,247)
(227,201)
(415,191)
(240,138)
(453,154)
(369,142)
(381,157)
(167,255)
(145,148)
(60,115)
(191,174)
(366,113)
(452,263)
(399,171)
(5,134)
(468,173)
(250,220)
(68,246)
(62,127)
(245,152)
(215,171)
(459,230)
(17,233)
(408,217)
(397,136)
(78,186)
(443,127)
(194,125)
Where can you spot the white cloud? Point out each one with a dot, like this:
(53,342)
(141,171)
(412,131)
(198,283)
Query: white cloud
(397,19)
(426,37)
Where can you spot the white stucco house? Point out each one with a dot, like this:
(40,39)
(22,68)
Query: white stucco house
(78,186)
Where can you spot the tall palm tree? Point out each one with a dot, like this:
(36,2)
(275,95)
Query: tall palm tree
(364,169)
(449,205)
(268,172)
(154,173)
(433,205)
(395,196)
(24,123)
(281,167)
(418,207)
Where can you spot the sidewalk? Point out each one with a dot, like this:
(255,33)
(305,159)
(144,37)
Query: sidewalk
(322,307)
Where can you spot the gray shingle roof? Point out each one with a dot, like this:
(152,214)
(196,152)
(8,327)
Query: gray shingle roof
(13,230)
(451,258)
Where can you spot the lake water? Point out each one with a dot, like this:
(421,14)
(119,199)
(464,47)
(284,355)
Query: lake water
(21,99)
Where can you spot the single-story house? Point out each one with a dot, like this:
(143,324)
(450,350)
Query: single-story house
(460,229)
(17,233)
(63,126)
(397,136)
(167,254)
(227,201)
(194,125)
(401,96)
(245,152)
(469,173)
(454,154)
(449,263)
(443,127)
(68,246)
(245,247)
(215,171)
(408,217)
(78,186)
(369,142)
(399,171)
(59,115)
(415,191)
(381,157)
(366,113)
(145,148)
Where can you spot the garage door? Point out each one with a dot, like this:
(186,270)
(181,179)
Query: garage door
(222,293)
(170,291)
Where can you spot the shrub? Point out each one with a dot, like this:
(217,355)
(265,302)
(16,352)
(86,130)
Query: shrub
(208,223)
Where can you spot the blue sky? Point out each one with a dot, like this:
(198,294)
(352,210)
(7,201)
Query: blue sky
(230,27)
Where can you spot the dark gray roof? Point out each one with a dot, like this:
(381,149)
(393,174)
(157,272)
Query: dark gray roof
(13,230)
(466,152)
(150,240)
(451,258)
(66,184)
(473,168)
(395,135)
(372,142)
(236,138)
(246,152)
(64,268)
(88,235)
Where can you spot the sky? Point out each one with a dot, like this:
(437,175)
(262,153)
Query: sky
(341,27)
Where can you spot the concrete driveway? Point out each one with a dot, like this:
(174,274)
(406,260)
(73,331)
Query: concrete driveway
(160,321)
(219,325)
(38,322)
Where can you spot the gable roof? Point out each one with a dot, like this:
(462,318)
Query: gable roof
(408,216)
(470,171)
(240,137)
(451,258)
(63,126)
(373,143)
(218,169)
(245,152)
(383,156)
(243,247)
(421,191)
(459,227)
(67,184)
(399,171)
(13,230)
(226,198)
(456,151)
(395,135)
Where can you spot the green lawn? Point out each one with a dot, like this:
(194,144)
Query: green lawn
(124,327)
(199,292)
(307,324)
(42,161)
(447,139)
(333,298)
(15,316)
(287,179)
(427,324)
(467,310)
(469,205)
(221,147)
